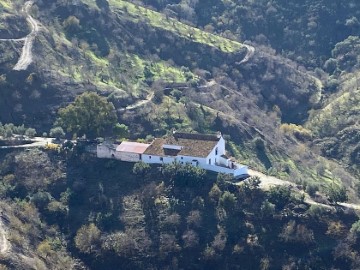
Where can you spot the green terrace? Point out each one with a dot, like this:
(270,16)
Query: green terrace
(137,13)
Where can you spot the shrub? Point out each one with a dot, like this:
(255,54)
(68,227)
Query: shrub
(316,211)
(355,228)
(296,233)
(228,200)
(259,144)
(280,196)
(311,189)
(87,238)
(30,132)
(57,132)
(190,239)
(267,209)
(336,194)
(184,175)
(298,131)
(141,168)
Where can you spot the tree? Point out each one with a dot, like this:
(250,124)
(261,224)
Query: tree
(280,196)
(184,175)
(228,200)
(121,130)
(30,132)
(336,194)
(121,243)
(72,25)
(57,132)
(355,228)
(87,238)
(141,168)
(89,115)
(45,249)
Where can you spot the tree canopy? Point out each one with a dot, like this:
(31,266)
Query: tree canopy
(90,115)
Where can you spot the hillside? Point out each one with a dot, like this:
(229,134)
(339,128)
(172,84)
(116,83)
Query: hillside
(108,216)
(279,80)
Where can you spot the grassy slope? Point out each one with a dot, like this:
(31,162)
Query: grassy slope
(158,20)
(337,123)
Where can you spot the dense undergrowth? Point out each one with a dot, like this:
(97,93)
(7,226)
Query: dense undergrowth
(106,215)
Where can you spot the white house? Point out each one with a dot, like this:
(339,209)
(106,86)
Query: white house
(204,151)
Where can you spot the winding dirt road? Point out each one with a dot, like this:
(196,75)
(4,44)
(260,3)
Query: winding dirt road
(26,54)
(249,54)
(270,181)
(36,142)
(4,242)
(25,58)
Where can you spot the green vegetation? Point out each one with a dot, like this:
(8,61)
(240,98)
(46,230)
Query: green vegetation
(102,210)
(89,115)
(158,20)
(8,130)
(57,132)
(290,111)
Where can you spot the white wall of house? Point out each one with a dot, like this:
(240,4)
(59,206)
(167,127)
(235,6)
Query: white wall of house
(217,151)
(223,161)
(189,159)
(151,159)
(104,151)
(169,159)
(127,156)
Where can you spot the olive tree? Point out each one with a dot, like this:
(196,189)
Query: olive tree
(90,115)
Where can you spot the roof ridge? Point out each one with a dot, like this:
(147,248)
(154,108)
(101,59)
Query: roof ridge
(196,136)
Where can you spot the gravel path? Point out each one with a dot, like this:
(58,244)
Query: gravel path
(26,55)
(270,181)
(4,242)
(249,54)
(36,142)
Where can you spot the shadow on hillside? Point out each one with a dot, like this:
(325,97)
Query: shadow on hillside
(262,156)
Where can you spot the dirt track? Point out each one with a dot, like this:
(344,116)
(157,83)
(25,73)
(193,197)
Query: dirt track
(4,242)
(26,54)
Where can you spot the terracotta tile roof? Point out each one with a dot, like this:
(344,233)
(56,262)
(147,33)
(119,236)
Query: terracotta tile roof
(193,144)
(132,147)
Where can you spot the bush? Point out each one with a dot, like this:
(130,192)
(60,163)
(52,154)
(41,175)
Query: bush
(184,175)
(336,194)
(30,132)
(267,209)
(141,169)
(280,196)
(355,228)
(311,189)
(57,132)
(228,200)
(87,238)
(298,131)
(259,143)
(316,211)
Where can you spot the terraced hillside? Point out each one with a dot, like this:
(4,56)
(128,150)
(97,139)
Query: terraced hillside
(162,73)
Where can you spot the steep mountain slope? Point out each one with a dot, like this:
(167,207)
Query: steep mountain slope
(287,102)
(194,80)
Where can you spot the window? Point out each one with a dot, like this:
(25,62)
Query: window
(161,158)
(216,151)
(182,157)
(149,157)
(209,160)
